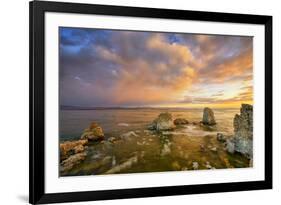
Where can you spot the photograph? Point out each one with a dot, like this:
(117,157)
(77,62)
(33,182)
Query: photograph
(149,101)
(132,102)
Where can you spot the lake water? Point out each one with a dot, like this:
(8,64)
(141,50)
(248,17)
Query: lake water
(145,151)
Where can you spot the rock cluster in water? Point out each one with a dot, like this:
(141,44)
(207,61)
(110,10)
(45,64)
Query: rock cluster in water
(165,122)
(69,148)
(181,121)
(74,152)
(241,142)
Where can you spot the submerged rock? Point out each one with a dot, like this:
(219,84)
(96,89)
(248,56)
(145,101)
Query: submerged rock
(148,132)
(69,148)
(209,166)
(166,149)
(102,163)
(94,132)
(166,133)
(73,160)
(125,165)
(163,122)
(176,166)
(123,124)
(208,117)
(151,126)
(221,137)
(214,149)
(112,139)
(195,165)
(129,134)
(113,163)
(181,121)
(202,148)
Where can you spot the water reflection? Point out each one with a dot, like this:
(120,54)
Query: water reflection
(132,148)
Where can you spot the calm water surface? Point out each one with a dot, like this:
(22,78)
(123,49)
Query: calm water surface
(146,151)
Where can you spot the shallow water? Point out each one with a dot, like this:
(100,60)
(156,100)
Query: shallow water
(146,151)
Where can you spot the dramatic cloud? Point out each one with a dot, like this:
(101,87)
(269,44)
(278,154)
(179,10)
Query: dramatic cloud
(236,68)
(125,68)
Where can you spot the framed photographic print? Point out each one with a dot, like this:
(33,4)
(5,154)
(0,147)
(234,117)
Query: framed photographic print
(140,102)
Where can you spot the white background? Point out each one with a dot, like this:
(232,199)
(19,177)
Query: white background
(14,100)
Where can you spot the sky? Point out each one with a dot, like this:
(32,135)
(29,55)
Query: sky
(115,68)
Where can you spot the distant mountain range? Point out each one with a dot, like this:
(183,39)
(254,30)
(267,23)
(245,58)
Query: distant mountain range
(69,107)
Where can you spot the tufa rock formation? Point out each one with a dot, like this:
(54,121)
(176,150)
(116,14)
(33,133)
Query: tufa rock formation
(164,121)
(94,132)
(72,153)
(242,141)
(243,123)
(69,148)
(208,117)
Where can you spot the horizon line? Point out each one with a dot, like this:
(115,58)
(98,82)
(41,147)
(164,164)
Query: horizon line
(74,107)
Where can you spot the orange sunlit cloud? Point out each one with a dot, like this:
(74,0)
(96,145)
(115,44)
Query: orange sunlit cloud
(126,68)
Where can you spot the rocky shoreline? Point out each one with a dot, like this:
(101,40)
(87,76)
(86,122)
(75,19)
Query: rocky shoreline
(72,153)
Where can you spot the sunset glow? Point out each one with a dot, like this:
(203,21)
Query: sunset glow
(108,68)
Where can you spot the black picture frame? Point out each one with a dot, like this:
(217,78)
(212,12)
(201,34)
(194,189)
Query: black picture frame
(37,9)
